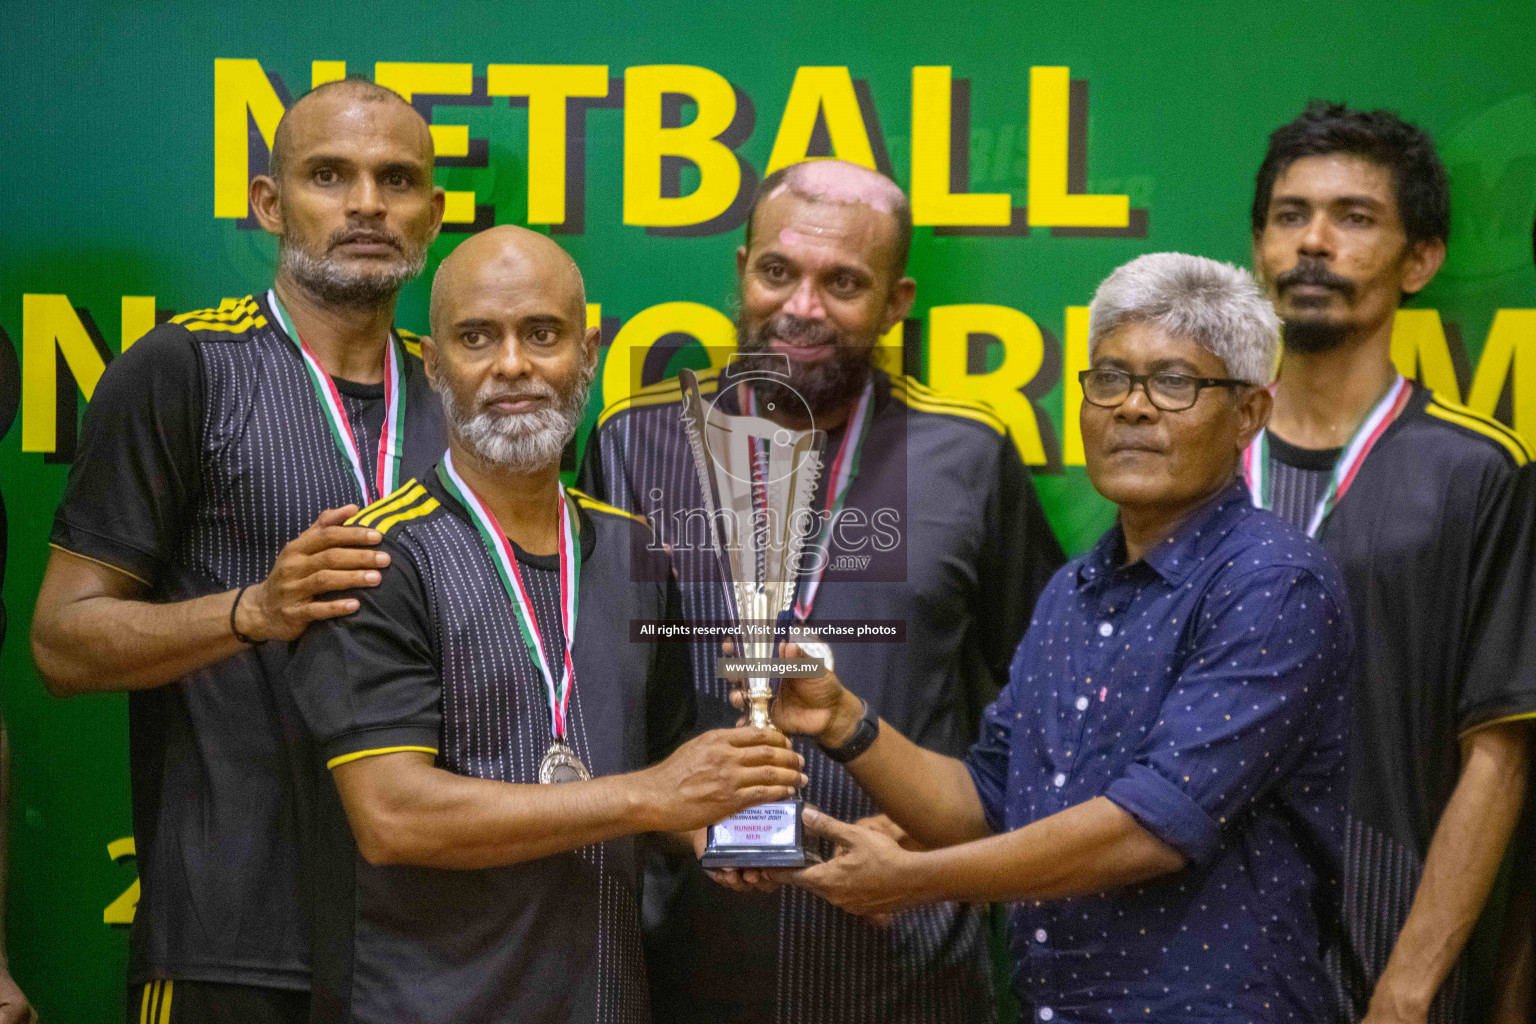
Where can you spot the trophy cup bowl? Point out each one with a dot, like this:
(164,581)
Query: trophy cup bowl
(758,480)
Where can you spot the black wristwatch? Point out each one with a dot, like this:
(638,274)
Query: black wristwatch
(859,741)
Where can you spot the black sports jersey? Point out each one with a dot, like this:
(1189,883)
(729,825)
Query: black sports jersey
(433,660)
(971,552)
(1414,539)
(204,451)
(1298,478)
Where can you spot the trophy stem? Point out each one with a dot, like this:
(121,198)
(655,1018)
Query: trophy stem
(759,697)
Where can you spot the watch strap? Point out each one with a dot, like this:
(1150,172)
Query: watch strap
(862,737)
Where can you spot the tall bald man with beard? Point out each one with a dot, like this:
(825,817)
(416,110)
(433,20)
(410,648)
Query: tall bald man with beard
(931,495)
(201,527)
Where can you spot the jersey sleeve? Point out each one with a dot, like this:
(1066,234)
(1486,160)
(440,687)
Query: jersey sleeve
(1019,555)
(367,683)
(135,475)
(1500,683)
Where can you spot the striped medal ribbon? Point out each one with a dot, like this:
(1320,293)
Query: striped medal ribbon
(391,439)
(1256,457)
(845,467)
(560,762)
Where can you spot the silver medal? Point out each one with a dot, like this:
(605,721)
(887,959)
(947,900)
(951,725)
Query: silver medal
(561,765)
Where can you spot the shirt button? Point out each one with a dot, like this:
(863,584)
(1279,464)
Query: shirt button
(1046,1013)
(1082,703)
(1105,629)
(1060,779)
(1039,934)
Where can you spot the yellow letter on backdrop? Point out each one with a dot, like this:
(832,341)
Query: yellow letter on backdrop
(830,92)
(239,87)
(547,87)
(408,79)
(1049,202)
(932,200)
(47,320)
(646,142)
(949,331)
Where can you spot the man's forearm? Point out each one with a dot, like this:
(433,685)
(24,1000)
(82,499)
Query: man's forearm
(929,795)
(1459,870)
(1087,848)
(105,644)
(425,816)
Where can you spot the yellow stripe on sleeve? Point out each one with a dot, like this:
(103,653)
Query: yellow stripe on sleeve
(105,565)
(1470,413)
(669,390)
(165,1002)
(1524,716)
(949,407)
(587,501)
(414,512)
(400,497)
(359,755)
(144,1003)
(1511,442)
(233,328)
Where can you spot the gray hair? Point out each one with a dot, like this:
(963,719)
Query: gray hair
(1215,305)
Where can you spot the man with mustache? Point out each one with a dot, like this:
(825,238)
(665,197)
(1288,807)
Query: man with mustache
(1406,490)
(934,494)
(202,523)
(482,674)
(1157,790)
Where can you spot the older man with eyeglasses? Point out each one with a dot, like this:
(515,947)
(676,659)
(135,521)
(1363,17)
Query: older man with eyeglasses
(1158,791)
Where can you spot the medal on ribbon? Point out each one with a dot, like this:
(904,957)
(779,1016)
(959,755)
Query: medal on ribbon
(391,438)
(1256,456)
(560,764)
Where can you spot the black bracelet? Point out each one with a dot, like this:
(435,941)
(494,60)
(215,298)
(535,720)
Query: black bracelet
(232,627)
(862,737)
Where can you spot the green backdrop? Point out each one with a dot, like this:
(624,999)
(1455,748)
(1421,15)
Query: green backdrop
(129,133)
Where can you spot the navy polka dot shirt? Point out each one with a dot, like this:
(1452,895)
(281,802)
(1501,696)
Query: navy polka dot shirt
(1203,689)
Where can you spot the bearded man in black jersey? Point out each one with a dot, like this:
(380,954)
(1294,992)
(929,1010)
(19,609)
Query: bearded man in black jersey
(495,743)
(1407,490)
(202,523)
(926,517)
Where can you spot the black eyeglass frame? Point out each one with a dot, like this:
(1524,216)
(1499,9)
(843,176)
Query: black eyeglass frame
(1145,381)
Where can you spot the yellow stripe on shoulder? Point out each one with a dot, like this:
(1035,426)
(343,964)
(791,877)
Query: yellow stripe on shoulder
(231,328)
(588,502)
(359,755)
(1471,416)
(919,396)
(410,512)
(1524,716)
(401,496)
(1480,424)
(228,309)
(669,390)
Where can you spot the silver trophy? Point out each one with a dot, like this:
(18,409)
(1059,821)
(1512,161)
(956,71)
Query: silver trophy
(758,480)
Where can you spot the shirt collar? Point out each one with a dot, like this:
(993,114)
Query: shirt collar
(1176,556)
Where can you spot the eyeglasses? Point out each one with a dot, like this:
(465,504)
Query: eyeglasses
(1170,392)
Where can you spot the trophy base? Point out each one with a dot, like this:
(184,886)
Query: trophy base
(766,836)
